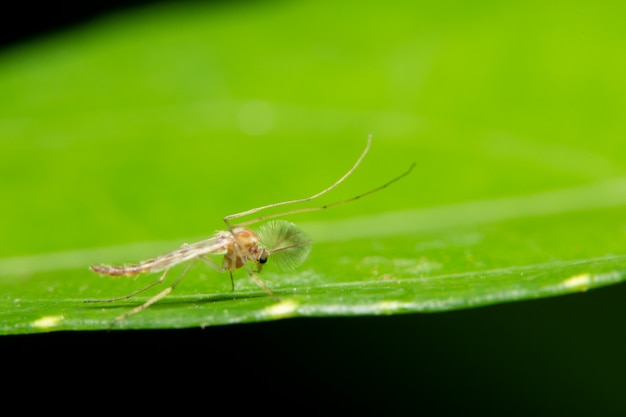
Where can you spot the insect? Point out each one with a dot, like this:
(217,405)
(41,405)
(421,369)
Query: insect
(240,246)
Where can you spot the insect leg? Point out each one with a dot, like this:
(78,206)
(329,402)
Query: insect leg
(228,218)
(156,297)
(261,284)
(132,294)
(219,269)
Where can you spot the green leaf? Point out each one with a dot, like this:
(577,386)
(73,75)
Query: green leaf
(124,139)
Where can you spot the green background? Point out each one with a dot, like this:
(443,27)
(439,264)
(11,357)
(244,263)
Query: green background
(132,134)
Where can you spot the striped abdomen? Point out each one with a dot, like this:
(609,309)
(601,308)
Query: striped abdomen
(117,271)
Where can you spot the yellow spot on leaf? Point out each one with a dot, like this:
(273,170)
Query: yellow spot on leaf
(388,306)
(281,309)
(47,321)
(581,282)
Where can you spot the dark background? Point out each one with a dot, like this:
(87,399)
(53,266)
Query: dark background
(29,20)
(556,356)
(561,355)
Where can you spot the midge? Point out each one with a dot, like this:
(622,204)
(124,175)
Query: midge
(284,242)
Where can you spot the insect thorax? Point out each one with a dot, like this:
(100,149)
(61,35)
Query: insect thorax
(244,247)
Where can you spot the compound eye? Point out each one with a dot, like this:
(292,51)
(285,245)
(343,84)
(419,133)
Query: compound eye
(263,258)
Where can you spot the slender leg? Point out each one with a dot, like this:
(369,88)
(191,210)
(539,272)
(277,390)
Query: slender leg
(211,264)
(301,200)
(261,284)
(219,269)
(155,298)
(132,294)
(228,218)
(255,278)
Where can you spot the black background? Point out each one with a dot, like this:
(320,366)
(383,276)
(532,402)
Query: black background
(562,355)
(555,356)
(31,20)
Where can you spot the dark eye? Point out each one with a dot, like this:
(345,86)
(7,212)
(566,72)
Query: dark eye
(263,258)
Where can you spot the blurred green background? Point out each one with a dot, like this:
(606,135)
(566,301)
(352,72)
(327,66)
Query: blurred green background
(153,124)
(156,123)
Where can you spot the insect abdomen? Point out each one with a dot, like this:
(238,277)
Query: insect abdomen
(117,271)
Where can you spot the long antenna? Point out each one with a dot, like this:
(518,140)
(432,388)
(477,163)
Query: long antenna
(304,210)
(303,200)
